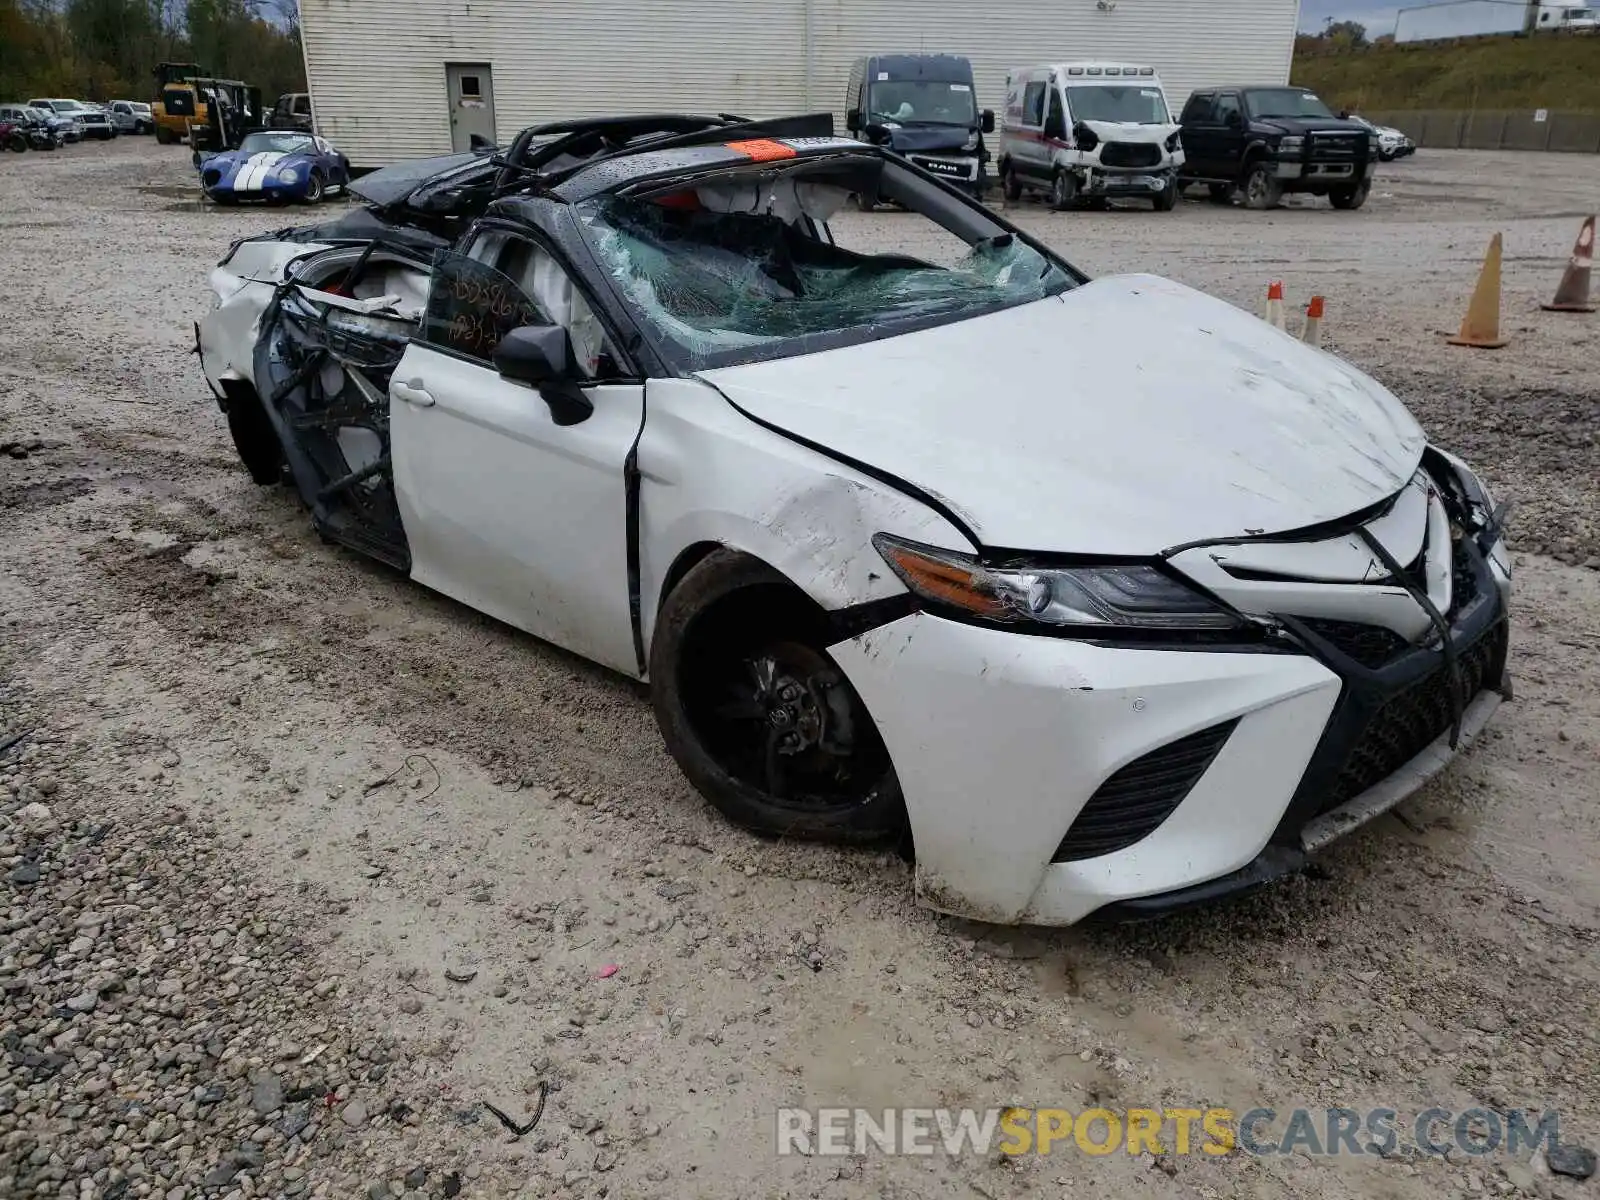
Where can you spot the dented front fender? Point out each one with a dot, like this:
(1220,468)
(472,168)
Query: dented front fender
(708,474)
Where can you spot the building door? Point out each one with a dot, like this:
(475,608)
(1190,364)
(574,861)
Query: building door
(471,90)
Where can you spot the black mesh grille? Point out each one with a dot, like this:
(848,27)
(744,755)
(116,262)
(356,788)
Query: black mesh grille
(1138,798)
(1130,154)
(1408,722)
(1370,645)
(1338,146)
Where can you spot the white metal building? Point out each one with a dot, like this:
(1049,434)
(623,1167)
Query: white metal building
(397,79)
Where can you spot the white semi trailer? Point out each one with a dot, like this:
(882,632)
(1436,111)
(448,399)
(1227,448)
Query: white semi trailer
(1480,18)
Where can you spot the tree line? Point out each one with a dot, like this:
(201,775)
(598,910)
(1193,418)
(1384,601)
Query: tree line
(106,49)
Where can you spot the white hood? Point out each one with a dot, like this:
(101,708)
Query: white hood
(1128,416)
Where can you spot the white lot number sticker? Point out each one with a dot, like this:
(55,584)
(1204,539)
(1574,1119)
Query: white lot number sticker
(959,87)
(883,77)
(1150,93)
(1541,115)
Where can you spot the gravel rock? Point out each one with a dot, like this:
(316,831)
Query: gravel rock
(1576,1162)
(294,1120)
(36,817)
(266,1094)
(355,1114)
(24,874)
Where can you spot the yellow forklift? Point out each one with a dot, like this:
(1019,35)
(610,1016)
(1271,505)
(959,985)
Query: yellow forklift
(208,113)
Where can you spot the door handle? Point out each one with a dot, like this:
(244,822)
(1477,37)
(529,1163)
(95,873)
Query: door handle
(413,393)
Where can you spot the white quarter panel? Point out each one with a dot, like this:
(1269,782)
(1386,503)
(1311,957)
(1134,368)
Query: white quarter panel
(243,287)
(999,739)
(711,475)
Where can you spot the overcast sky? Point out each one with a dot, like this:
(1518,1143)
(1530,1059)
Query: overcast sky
(1377,16)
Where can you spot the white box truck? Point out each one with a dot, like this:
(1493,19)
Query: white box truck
(1483,18)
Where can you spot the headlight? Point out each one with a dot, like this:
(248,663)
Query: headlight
(1174,143)
(288,174)
(1102,598)
(1291,145)
(971,142)
(1372,144)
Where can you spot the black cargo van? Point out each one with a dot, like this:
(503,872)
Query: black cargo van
(924,107)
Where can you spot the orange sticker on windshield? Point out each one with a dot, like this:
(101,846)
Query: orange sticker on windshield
(762,149)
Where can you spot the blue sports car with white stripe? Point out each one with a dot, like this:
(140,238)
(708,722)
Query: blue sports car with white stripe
(275,165)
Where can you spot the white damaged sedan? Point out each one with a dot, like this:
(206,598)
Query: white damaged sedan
(1100,597)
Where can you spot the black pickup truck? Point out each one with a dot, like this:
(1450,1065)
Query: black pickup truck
(1266,141)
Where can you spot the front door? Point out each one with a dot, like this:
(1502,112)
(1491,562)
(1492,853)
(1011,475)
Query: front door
(1230,135)
(503,509)
(471,90)
(1035,153)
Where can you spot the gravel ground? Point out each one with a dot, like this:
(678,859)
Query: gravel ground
(305,867)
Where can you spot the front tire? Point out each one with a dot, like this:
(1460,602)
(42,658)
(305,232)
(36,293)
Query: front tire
(1063,190)
(759,718)
(1351,198)
(1262,189)
(1011,184)
(314,188)
(17,142)
(164,136)
(1167,198)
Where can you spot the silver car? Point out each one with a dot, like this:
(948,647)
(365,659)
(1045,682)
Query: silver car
(91,122)
(131,116)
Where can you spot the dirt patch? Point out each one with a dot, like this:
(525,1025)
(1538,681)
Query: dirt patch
(325,808)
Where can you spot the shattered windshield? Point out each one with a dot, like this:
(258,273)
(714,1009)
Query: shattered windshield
(1127,104)
(923,102)
(733,271)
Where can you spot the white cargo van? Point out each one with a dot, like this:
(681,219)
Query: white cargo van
(1089,131)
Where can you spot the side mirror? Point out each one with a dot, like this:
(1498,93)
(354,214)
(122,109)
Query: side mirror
(986,122)
(541,357)
(852,120)
(1086,137)
(879,134)
(1344,114)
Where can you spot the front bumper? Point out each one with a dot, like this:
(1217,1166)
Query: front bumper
(1096,181)
(1329,173)
(1006,745)
(273,193)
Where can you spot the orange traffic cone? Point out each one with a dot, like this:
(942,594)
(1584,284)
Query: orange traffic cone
(1273,313)
(1573,294)
(1312,334)
(1481,326)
